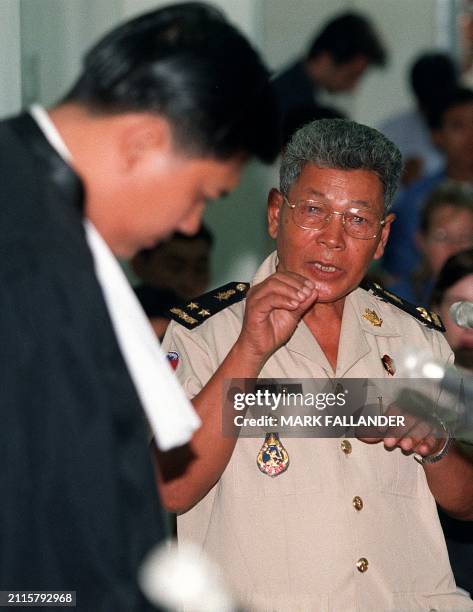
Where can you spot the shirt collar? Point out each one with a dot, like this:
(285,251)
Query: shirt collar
(51,133)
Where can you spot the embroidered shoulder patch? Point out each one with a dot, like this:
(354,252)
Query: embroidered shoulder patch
(196,311)
(427,317)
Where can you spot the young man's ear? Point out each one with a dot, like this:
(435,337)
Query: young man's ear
(275,203)
(142,137)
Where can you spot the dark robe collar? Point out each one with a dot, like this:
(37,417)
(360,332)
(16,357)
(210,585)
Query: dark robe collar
(56,170)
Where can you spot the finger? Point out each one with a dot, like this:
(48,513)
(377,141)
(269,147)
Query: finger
(274,301)
(308,302)
(415,436)
(294,277)
(391,442)
(429,445)
(302,285)
(394,435)
(297,295)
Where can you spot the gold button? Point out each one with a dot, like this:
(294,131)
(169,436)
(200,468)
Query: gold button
(346,447)
(362,565)
(357,502)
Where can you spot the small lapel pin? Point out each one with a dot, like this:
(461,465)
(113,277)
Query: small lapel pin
(173,359)
(388,364)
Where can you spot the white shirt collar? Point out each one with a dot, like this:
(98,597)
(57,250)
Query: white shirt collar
(169,412)
(50,131)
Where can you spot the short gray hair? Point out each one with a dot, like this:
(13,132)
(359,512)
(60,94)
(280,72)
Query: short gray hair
(344,145)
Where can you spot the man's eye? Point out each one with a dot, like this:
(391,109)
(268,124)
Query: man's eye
(313,209)
(358,219)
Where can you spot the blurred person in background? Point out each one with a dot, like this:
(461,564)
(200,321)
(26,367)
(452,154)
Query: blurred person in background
(176,270)
(431,77)
(455,284)
(338,57)
(165,112)
(446,227)
(465,39)
(452,128)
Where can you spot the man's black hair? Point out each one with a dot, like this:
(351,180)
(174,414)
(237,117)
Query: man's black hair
(348,36)
(187,63)
(433,76)
(459,96)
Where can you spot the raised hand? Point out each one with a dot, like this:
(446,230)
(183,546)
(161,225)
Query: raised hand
(273,311)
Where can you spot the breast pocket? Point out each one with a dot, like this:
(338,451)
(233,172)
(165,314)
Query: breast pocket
(399,474)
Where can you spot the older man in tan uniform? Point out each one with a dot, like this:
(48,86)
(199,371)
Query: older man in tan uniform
(348,526)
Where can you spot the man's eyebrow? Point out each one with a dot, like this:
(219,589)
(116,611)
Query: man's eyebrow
(361,203)
(314,192)
(319,194)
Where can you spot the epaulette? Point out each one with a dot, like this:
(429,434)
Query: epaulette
(193,313)
(427,317)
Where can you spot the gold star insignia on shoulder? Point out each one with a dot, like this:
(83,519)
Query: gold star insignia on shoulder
(195,312)
(428,318)
(182,314)
(225,295)
(372,317)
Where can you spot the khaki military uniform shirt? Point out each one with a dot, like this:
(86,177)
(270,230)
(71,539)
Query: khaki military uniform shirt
(294,542)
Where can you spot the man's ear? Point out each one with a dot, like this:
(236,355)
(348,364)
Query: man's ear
(275,202)
(141,137)
(384,236)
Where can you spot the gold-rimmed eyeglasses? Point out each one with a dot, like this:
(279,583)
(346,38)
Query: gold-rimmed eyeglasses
(357,222)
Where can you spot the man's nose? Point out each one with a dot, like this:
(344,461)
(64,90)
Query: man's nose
(333,234)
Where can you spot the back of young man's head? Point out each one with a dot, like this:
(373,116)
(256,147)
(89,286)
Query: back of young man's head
(188,64)
(346,37)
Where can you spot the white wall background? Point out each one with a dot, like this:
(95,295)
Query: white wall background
(54,34)
(10,79)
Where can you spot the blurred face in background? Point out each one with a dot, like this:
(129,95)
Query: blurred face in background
(458,337)
(455,138)
(450,231)
(178,265)
(338,77)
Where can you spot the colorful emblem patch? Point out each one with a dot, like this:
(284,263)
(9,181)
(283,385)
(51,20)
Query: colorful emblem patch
(173,359)
(272,458)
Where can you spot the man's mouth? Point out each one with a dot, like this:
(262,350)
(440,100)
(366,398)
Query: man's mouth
(325,267)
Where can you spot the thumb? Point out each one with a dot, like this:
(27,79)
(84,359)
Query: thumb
(307,303)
